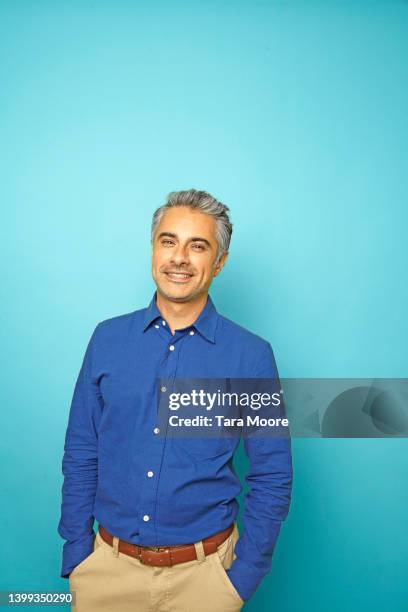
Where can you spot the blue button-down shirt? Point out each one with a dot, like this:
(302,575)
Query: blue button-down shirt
(156,491)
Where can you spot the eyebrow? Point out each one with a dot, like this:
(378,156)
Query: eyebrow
(192,239)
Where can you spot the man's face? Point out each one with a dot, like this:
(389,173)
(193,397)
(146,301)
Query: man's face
(183,254)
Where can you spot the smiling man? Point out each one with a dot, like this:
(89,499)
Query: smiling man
(168,538)
(186,256)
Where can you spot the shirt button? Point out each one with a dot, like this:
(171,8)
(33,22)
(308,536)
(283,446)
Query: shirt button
(171,347)
(163,322)
(150,473)
(156,430)
(156,326)
(192,333)
(146,517)
(163,389)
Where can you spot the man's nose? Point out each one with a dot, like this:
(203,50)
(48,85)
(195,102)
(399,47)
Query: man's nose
(179,255)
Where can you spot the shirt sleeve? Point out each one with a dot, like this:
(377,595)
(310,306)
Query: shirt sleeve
(80,465)
(267,503)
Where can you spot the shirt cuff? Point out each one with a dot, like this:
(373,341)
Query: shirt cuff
(75,552)
(245,578)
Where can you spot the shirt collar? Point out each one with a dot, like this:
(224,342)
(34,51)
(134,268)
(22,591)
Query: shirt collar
(152,313)
(205,324)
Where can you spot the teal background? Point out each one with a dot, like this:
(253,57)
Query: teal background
(295,115)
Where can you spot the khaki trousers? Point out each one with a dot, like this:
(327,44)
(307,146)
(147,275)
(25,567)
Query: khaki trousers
(110,581)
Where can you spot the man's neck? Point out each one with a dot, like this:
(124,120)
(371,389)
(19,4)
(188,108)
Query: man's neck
(180,314)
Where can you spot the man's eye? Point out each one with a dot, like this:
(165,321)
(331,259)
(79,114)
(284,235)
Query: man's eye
(198,246)
(166,242)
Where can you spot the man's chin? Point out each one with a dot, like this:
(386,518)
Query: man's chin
(178,294)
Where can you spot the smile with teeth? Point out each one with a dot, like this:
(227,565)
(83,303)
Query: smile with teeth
(178,276)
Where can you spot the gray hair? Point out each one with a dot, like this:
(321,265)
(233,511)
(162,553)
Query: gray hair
(205,203)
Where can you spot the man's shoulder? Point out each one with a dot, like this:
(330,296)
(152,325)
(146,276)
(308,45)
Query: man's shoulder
(242,334)
(254,352)
(120,323)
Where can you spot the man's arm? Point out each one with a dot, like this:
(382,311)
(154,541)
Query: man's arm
(80,466)
(267,502)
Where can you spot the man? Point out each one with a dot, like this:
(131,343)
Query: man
(166,507)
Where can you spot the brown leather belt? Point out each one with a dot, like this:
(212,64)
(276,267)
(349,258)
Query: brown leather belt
(167,555)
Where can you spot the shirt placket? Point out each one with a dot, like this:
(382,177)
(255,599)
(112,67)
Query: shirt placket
(172,345)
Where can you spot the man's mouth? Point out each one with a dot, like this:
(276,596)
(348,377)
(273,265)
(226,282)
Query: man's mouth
(178,277)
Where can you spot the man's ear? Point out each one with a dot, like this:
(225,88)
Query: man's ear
(221,263)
